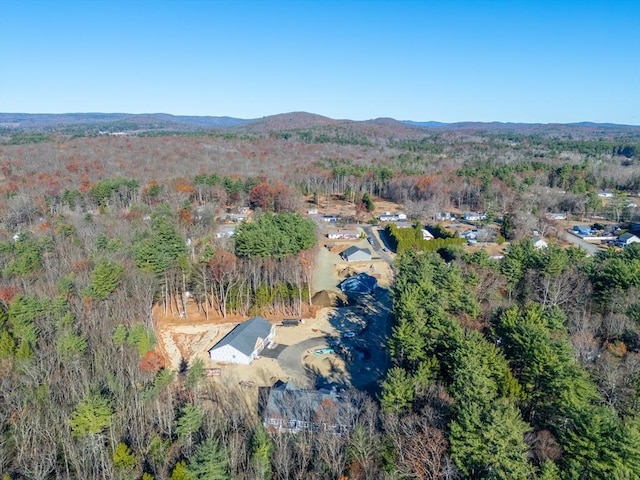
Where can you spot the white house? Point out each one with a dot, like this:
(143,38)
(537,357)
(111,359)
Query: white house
(427,235)
(627,239)
(392,217)
(473,216)
(243,343)
(556,216)
(539,242)
(344,234)
(445,216)
(355,254)
(225,231)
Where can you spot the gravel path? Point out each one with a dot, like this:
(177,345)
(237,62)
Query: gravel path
(324,277)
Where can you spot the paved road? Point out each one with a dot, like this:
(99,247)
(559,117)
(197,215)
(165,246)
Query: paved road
(376,243)
(590,248)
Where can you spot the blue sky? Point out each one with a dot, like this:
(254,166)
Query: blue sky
(511,61)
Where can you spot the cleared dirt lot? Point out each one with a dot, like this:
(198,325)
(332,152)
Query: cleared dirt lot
(182,340)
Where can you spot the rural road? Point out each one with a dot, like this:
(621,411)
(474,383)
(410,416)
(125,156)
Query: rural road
(376,243)
(590,248)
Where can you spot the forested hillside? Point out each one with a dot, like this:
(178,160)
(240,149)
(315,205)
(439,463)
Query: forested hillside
(525,367)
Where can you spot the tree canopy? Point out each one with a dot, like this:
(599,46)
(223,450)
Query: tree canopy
(274,235)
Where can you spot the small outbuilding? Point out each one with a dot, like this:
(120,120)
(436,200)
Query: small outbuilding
(244,343)
(355,254)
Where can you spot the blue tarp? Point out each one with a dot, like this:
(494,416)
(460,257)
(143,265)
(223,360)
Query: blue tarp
(359,284)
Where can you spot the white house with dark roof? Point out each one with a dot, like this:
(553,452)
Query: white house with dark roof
(243,343)
(539,242)
(627,239)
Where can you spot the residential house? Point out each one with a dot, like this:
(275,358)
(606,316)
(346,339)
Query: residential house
(237,217)
(312,211)
(427,235)
(556,216)
(292,409)
(627,239)
(344,234)
(539,242)
(243,343)
(355,254)
(403,224)
(473,216)
(392,217)
(225,231)
(445,216)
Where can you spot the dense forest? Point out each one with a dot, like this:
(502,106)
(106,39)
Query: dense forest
(521,368)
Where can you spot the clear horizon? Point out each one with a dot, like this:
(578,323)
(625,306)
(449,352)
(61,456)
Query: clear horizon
(460,61)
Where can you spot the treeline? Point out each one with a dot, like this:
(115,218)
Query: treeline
(412,239)
(431,173)
(523,389)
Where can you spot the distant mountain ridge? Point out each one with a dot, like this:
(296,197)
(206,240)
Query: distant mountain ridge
(50,120)
(159,122)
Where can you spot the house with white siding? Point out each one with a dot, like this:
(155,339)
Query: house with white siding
(355,254)
(243,343)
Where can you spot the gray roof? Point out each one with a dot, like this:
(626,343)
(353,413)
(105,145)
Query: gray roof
(288,401)
(626,236)
(244,337)
(353,249)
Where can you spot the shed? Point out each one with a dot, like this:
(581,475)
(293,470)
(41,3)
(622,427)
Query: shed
(355,254)
(243,343)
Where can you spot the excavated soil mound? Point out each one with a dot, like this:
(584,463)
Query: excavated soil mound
(325,298)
